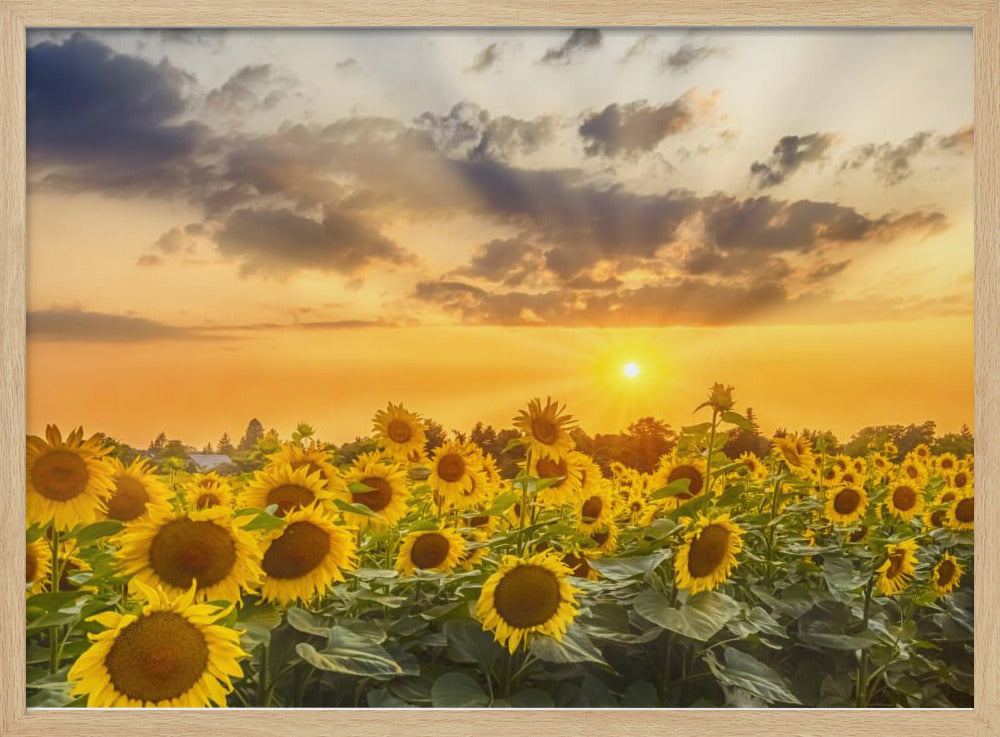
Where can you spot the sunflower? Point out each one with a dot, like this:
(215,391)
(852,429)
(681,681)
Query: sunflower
(633,504)
(306,556)
(890,449)
(913,472)
(881,465)
(475,549)
(895,573)
(755,466)
(580,566)
(831,474)
(37,566)
(68,482)
(617,469)
(708,553)
(453,465)
(904,500)
(202,496)
(430,550)
(172,654)
(386,493)
(399,431)
(596,511)
(960,478)
(605,540)
(135,491)
(946,463)
(569,469)
(313,458)
(937,515)
(288,488)
(206,546)
(690,469)
(846,504)
(546,429)
(962,512)
(795,451)
(858,534)
(946,575)
(527,596)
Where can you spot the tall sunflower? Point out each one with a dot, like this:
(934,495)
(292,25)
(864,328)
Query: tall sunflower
(136,491)
(904,501)
(306,556)
(546,429)
(795,451)
(846,504)
(382,489)
(897,570)
(946,575)
(171,654)
(430,550)
(68,482)
(37,566)
(288,488)
(399,431)
(708,554)
(206,546)
(527,596)
(962,512)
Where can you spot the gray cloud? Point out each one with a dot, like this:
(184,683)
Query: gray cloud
(100,327)
(689,55)
(788,154)
(961,141)
(248,89)
(636,49)
(468,130)
(580,41)
(485,59)
(350,64)
(891,163)
(636,127)
(508,261)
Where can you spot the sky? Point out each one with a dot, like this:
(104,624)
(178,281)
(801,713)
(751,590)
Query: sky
(304,225)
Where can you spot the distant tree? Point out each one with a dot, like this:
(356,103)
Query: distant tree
(960,443)
(225,445)
(207,449)
(906,438)
(495,443)
(435,434)
(255,431)
(303,432)
(649,440)
(747,441)
(123,452)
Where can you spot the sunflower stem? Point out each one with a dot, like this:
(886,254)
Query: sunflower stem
(54,588)
(262,677)
(770,531)
(711,450)
(862,676)
(524,504)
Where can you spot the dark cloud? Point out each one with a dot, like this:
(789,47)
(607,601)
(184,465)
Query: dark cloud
(102,120)
(485,59)
(961,141)
(636,127)
(689,55)
(350,64)
(468,130)
(100,327)
(247,90)
(788,155)
(580,41)
(279,242)
(643,42)
(507,261)
(891,163)
(825,271)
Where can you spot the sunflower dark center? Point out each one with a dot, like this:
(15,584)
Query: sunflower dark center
(30,565)
(207,500)
(912,471)
(60,475)
(961,480)
(858,535)
(548,468)
(545,430)
(896,560)
(527,596)
(592,507)
(299,549)
(965,511)
(430,550)
(129,500)
(846,501)
(185,550)
(378,498)
(158,657)
(600,537)
(399,431)
(708,551)
(947,464)
(289,497)
(692,474)
(311,466)
(451,467)
(904,497)
(945,571)
(578,564)
(479,521)
(937,518)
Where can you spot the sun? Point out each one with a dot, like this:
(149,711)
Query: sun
(631,370)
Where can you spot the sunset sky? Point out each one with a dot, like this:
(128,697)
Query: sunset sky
(304,225)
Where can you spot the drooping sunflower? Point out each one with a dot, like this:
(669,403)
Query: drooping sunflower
(596,511)
(962,512)
(313,458)
(288,488)
(453,465)
(708,553)
(546,429)
(68,482)
(206,546)
(306,556)
(430,550)
(527,596)
(385,492)
(897,570)
(135,491)
(795,451)
(569,470)
(202,496)
(171,655)
(946,575)
(37,566)
(845,504)
(755,466)
(904,500)
(858,535)
(399,431)
(672,470)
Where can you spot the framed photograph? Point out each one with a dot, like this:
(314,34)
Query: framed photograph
(564,369)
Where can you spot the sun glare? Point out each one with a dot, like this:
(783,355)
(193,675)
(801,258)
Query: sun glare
(631,370)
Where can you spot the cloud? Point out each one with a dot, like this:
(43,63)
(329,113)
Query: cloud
(580,41)
(249,89)
(350,64)
(639,127)
(961,141)
(469,130)
(689,55)
(891,163)
(279,242)
(96,119)
(509,261)
(99,327)
(484,60)
(788,155)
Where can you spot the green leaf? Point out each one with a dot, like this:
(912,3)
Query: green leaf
(502,503)
(457,691)
(536,484)
(355,508)
(746,672)
(368,574)
(619,569)
(701,427)
(468,643)
(832,626)
(262,520)
(349,653)
(356,487)
(674,488)
(840,575)
(306,622)
(575,647)
(735,418)
(511,444)
(98,530)
(531,698)
(699,618)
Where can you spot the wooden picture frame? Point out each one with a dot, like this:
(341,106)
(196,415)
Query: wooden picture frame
(983,16)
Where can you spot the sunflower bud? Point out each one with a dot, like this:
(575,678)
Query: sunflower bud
(720,398)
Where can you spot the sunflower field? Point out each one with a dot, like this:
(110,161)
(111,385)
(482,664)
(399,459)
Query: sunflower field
(411,577)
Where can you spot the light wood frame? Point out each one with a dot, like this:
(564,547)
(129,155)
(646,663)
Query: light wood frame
(983,16)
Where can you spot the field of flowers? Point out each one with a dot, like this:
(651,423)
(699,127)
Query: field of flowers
(420,578)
